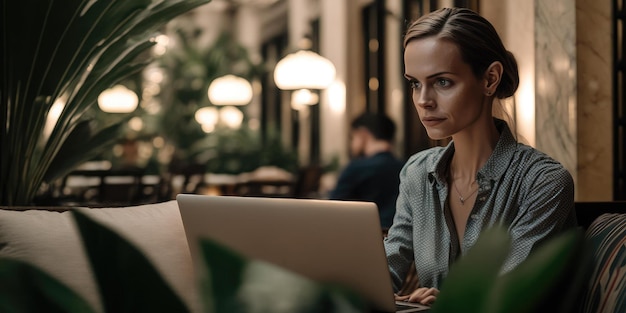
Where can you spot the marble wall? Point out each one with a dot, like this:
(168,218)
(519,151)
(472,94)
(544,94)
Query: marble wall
(555,80)
(564,50)
(594,103)
(573,91)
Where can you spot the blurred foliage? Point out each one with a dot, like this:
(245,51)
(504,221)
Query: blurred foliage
(228,151)
(551,279)
(190,69)
(128,282)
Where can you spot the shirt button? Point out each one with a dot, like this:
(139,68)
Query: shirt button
(474,216)
(482,199)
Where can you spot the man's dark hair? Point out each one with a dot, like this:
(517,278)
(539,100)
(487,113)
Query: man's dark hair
(380,125)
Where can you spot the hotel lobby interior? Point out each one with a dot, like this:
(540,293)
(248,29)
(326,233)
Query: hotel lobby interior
(255,98)
(286,134)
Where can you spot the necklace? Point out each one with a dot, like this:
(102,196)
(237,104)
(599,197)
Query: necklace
(461,198)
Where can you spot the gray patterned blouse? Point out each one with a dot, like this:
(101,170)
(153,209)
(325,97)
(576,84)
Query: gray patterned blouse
(519,187)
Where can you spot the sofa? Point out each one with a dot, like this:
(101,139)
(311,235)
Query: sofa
(47,238)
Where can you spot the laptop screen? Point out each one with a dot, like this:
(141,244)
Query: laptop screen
(327,241)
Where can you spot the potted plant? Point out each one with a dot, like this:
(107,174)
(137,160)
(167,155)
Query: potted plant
(65,52)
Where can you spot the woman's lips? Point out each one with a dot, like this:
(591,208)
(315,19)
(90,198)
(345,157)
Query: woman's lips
(432,121)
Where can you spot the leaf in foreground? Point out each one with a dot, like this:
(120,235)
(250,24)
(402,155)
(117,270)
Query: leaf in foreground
(27,289)
(236,284)
(467,287)
(546,280)
(127,281)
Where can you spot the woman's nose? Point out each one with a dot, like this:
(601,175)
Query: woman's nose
(422,98)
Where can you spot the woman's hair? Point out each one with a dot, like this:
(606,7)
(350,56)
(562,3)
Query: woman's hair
(478,42)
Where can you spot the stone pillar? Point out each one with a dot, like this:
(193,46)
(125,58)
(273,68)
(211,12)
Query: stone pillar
(336,45)
(394,71)
(555,66)
(542,36)
(594,105)
(298,22)
(248,34)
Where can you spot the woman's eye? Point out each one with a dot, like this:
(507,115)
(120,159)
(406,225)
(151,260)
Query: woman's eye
(415,84)
(442,82)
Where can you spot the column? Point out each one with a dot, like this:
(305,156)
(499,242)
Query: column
(248,34)
(335,25)
(594,106)
(555,56)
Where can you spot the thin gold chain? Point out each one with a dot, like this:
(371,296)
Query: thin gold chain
(461,198)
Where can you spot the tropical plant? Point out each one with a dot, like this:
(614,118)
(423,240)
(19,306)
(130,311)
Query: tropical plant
(228,151)
(549,280)
(190,69)
(128,282)
(65,51)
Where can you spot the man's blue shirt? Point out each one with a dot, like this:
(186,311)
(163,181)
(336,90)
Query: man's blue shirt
(375,179)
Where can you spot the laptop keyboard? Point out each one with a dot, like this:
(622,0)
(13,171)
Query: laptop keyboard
(407,307)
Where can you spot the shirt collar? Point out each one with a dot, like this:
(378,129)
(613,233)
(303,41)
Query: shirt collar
(495,166)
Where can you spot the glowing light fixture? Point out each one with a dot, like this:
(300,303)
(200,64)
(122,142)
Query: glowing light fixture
(231,117)
(304,69)
(303,97)
(230,90)
(136,123)
(118,99)
(207,116)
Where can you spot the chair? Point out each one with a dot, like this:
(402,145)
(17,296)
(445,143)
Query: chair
(605,224)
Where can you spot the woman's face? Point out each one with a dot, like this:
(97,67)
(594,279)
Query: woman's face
(448,96)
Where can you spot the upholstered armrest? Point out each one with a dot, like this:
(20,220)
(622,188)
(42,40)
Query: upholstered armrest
(606,290)
(48,239)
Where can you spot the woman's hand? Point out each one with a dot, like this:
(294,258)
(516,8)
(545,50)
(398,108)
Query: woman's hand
(422,295)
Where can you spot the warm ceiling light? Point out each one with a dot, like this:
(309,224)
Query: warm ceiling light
(304,69)
(303,97)
(207,116)
(231,117)
(136,123)
(230,90)
(118,99)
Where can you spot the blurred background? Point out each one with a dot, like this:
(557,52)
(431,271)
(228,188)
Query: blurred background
(255,97)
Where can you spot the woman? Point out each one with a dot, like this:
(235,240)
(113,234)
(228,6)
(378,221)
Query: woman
(458,68)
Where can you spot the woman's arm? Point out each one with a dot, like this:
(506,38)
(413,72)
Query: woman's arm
(399,241)
(546,209)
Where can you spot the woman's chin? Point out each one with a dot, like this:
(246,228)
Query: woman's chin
(436,135)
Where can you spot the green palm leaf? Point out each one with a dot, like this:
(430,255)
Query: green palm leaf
(127,280)
(69,48)
(468,285)
(82,145)
(548,279)
(25,288)
(235,284)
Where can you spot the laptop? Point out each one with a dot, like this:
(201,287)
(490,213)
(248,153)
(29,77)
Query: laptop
(327,241)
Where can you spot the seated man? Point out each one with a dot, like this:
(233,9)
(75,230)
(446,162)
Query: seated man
(373,173)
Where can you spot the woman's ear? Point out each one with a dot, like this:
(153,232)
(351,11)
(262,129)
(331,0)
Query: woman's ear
(493,74)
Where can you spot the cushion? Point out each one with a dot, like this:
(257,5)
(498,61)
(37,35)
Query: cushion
(606,291)
(50,241)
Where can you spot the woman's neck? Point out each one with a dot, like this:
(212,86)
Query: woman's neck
(472,149)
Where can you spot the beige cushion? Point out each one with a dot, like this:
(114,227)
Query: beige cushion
(50,241)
